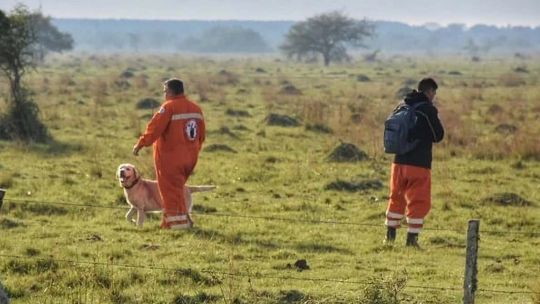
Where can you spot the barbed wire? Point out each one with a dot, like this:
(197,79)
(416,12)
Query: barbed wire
(276,218)
(257,275)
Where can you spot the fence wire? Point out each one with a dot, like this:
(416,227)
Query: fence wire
(259,275)
(277,218)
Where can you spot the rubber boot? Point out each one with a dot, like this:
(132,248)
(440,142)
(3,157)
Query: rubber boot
(390,235)
(412,240)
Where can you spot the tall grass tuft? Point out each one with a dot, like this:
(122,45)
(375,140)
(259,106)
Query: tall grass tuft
(387,290)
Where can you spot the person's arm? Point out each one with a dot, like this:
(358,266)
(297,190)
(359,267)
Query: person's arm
(155,127)
(437,129)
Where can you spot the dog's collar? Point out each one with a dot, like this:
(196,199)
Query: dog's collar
(134,183)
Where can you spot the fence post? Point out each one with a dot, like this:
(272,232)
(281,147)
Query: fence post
(2,192)
(470,282)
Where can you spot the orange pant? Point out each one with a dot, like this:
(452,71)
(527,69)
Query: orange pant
(172,172)
(410,189)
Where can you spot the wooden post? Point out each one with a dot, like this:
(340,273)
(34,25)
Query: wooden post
(470,282)
(2,192)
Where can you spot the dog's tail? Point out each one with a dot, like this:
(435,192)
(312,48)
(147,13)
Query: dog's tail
(202,188)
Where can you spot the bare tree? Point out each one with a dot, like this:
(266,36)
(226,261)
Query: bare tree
(327,34)
(19,50)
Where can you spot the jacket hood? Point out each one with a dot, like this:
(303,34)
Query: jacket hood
(415,97)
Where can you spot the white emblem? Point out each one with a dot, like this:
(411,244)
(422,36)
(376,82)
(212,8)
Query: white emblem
(161,110)
(191,129)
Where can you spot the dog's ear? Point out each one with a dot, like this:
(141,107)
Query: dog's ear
(135,172)
(118,174)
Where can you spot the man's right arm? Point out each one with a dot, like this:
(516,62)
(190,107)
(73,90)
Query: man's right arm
(435,124)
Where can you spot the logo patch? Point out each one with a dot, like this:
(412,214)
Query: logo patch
(191,129)
(161,110)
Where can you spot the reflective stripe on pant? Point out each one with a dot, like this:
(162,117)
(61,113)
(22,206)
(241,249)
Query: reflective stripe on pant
(172,174)
(410,191)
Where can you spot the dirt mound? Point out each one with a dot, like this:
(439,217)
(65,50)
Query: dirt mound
(290,89)
(362,78)
(237,113)
(147,103)
(339,185)
(281,120)
(319,128)
(203,209)
(347,153)
(219,148)
(299,265)
(506,129)
(507,199)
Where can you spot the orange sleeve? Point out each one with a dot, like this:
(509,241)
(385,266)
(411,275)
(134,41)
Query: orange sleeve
(156,126)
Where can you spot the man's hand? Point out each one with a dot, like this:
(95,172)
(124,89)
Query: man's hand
(136,150)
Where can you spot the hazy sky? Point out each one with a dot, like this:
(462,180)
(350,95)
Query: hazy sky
(470,12)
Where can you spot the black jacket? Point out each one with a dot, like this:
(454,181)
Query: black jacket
(428,129)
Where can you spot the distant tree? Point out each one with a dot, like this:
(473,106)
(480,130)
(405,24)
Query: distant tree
(20,48)
(49,38)
(134,41)
(327,34)
(226,39)
(475,50)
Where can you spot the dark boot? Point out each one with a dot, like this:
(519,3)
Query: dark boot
(412,240)
(390,235)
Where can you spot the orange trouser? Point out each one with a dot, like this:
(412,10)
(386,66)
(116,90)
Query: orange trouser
(172,172)
(410,189)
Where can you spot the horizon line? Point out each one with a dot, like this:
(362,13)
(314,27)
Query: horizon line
(425,24)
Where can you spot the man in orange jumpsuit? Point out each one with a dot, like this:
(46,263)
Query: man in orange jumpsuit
(410,181)
(177,132)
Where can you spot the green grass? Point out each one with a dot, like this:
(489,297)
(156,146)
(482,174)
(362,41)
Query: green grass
(54,253)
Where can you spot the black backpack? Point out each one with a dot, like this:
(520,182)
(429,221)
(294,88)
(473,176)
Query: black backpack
(397,129)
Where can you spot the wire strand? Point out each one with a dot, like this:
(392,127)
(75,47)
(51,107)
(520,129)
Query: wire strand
(259,275)
(275,218)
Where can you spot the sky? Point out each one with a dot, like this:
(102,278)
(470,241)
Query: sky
(415,12)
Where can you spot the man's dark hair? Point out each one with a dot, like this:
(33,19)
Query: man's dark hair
(175,85)
(427,84)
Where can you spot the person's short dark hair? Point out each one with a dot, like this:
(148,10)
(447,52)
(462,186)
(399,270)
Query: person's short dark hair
(175,85)
(427,84)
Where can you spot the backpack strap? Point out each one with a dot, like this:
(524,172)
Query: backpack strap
(415,106)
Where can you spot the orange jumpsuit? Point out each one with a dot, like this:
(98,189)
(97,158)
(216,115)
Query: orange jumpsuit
(177,131)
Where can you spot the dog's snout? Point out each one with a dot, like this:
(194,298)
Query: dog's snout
(122,173)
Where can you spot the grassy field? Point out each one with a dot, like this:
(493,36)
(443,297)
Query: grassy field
(63,237)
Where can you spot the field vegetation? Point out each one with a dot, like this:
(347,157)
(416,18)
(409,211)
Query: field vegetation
(296,152)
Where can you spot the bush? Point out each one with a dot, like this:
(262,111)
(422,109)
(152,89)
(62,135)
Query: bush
(21,122)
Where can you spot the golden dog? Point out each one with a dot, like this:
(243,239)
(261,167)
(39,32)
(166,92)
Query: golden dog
(143,194)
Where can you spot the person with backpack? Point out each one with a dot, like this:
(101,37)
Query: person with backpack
(410,132)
